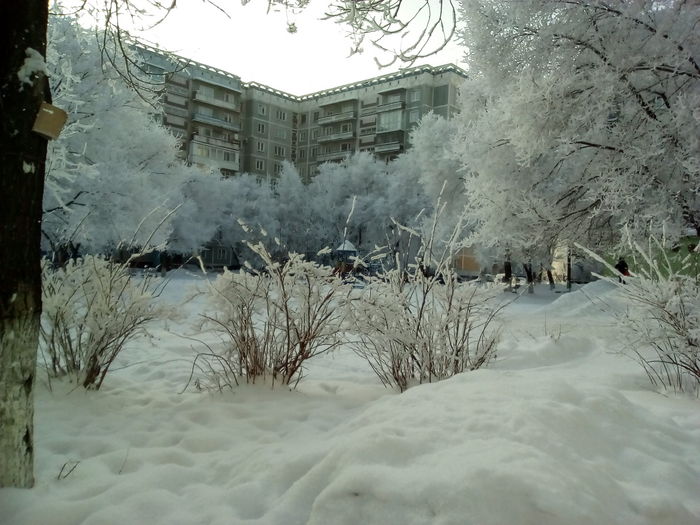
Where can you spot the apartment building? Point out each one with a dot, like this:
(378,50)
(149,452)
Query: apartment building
(269,129)
(249,127)
(374,115)
(202,107)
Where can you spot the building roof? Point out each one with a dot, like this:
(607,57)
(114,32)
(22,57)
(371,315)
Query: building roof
(403,73)
(346,246)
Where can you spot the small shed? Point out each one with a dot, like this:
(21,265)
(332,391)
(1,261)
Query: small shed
(346,251)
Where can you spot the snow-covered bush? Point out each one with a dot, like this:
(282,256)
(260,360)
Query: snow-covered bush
(662,320)
(272,321)
(417,324)
(412,328)
(91,309)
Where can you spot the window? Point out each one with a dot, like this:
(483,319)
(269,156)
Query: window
(389,121)
(261,146)
(414,95)
(413,115)
(261,109)
(302,154)
(345,147)
(392,97)
(316,115)
(281,115)
(302,136)
(205,111)
(345,128)
(280,133)
(314,153)
(261,128)
(440,96)
(303,118)
(260,165)
(278,168)
(314,134)
(279,151)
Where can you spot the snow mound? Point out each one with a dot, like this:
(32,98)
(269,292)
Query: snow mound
(592,298)
(480,449)
(544,351)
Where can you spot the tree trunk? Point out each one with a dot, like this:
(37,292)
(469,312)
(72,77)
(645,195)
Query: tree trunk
(22,164)
(530,276)
(508,272)
(550,278)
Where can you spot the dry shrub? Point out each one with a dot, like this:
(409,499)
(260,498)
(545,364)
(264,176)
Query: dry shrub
(91,309)
(272,321)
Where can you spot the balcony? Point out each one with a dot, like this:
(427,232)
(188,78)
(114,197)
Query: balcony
(334,155)
(177,90)
(212,101)
(367,139)
(206,161)
(391,106)
(394,128)
(369,120)
(388,147)
(221,143)
(339,117)
(176,111)
(345,135)
(213,121)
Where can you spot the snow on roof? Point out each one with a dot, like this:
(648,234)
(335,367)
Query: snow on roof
(347,246)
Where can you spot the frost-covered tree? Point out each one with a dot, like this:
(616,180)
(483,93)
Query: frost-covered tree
(398,29)
(580,116)
(113,176)
(357,199)
(430,164)
(300,229)
(252,211)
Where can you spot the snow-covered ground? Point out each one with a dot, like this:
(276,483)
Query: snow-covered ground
(560,429)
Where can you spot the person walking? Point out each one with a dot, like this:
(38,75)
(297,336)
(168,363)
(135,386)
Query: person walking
(622,267)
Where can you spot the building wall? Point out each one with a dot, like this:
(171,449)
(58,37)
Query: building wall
(269,130)
(248,127)
(202,107)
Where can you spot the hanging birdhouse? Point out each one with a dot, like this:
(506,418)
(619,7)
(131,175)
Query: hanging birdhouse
(49,121)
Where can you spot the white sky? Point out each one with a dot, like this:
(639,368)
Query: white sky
(257,47)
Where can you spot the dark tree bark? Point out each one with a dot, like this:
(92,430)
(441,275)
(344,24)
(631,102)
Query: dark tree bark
(23,25)
(550,278)
(530,276)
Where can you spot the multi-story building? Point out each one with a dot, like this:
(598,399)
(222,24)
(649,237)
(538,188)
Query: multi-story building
(374,115)
(202,106)
(269,129)
(248,127)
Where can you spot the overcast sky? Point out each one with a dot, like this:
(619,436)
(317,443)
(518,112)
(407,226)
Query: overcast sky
(257,47)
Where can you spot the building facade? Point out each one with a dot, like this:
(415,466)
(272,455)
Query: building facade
(239,127)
